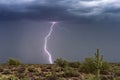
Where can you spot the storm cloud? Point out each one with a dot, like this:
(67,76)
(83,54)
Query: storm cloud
(59,10)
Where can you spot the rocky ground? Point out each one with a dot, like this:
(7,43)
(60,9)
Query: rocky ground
(51,72)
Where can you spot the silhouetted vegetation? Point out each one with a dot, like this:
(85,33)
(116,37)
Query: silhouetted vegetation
(62,63)
(74,64)
(14,62)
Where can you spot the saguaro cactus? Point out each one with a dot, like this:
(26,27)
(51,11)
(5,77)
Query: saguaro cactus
(98,63)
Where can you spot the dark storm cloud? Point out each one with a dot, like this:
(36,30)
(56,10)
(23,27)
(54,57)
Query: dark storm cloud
(76,10)
(114,11)
(36,12)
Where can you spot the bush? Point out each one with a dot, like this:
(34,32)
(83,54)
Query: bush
(62,63)
(51,76)
(31,69)
(70,73)
(95,65)
(14,62)
(105,68)
(12,78)
(74,64)
(88,66)
(56,68)
(89,77)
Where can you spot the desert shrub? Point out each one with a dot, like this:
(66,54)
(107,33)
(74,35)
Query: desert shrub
(13,62)
(31,69)
(60,62)
(12,78)
(74,64)
(105,68)
(37,73)
(56,68)
(50,76)
(89,77)
(95,64)
(115,69)
(88,66)
(70,73)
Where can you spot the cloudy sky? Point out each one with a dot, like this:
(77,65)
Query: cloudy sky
(83,26)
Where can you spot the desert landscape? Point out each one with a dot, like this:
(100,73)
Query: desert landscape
(62,70)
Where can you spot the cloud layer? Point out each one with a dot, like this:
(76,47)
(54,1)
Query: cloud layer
(96,7)
(12,2)
(58,9)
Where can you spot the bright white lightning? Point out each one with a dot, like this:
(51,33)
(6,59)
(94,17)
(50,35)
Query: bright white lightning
(46,41)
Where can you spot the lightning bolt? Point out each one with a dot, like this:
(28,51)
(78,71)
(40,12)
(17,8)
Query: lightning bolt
(46,41)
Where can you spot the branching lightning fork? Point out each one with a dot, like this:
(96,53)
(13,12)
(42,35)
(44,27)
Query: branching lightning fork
(46,41)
